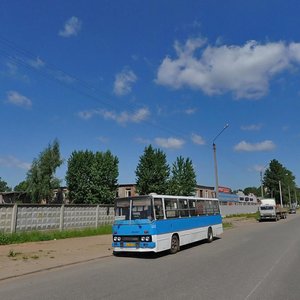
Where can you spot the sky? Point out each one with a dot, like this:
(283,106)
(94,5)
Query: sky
(120,75)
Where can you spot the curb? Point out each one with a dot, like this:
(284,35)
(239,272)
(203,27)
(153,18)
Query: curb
(54,267)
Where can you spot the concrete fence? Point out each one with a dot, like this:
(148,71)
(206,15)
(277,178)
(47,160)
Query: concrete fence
(28,217)
(238,208)
(22,217)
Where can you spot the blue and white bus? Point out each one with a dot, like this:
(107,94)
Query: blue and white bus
(155,223)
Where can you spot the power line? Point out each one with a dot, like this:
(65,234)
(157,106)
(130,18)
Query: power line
(26,59)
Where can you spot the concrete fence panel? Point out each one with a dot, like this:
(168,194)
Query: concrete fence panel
(37,217)
(237,209)
(106,215)
(79,216)
(6,216)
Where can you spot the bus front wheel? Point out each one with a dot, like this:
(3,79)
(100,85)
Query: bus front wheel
(174,244)
(210,236)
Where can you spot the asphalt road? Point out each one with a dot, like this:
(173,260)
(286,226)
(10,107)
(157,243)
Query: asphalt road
(257,261)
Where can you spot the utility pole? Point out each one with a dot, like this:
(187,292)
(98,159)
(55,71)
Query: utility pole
(215,160)
(280,193)
(261,184)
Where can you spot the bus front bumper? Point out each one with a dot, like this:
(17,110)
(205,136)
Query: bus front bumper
(133,246)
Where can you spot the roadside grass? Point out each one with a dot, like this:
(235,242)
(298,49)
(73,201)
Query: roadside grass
(245,216)
(228,220)
(37,236)
(227,225)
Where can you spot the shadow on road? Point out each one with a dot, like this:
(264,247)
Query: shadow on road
(153,255)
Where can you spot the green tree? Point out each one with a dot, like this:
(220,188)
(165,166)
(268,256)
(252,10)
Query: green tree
(278,173)
(21,187)
(152,172)
(92,177)
(252,190)
(183,178)
(105,174)
(3,186)
(41,178)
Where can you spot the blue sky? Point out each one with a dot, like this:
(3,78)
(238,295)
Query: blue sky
(119,75)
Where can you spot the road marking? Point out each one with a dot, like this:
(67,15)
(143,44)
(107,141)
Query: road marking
(270,270)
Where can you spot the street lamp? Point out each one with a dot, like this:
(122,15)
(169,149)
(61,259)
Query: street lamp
(215,160)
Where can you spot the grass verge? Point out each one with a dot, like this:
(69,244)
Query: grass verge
(246,216)
(36,236)
(227,225)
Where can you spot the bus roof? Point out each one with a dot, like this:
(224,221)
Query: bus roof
(154,195)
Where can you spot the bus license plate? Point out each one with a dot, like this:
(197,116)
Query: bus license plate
(130,244)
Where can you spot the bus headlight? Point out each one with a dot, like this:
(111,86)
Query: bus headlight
(115,238)
(119,239)
(145,238)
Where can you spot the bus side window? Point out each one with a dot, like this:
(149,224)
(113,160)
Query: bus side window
(216,207)
(183,208)
(209,207)
(200,208)
(159,213)
(192,206)
(171,208)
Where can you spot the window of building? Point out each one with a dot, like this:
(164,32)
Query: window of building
(128,192)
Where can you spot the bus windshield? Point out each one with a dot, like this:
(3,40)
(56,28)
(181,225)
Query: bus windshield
(134,209)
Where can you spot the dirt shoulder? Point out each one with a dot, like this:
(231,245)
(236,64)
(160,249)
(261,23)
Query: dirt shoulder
(239,221)
(21,259)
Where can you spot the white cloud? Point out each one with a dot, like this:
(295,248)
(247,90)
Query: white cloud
(16,98)
(59,75)
(71,27)
(143,141)
(14,72)
(252,127)
(12,162)
(171,143)
(259,168)
(102,139)
(87,114)
(244,70)
(12,68)
(251,147)
(122,118)
(190,111)
(37,63)
(197,139)
(124,81)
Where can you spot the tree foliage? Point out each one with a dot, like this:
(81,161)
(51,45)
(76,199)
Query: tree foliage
(3,186)
(21,187)
(276,173)
(41,178)
(92,177)
(252,190)
(152,172)
(183,178)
